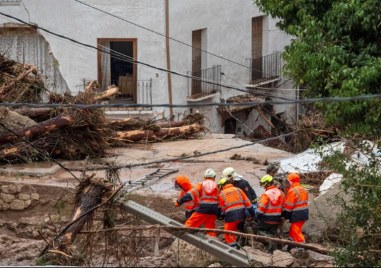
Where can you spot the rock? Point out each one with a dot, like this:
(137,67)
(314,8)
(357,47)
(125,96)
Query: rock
(7,198)
(27,203)
(12,189)
(257,257)
(35,196)
(281,259)
(188,255)
(217,264)
(19,187)
(5,206)
(319,222)
(318,257)
(17,205)
(24,197)
(4,189)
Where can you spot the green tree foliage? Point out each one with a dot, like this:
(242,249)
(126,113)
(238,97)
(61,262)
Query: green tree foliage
(336,53)
(359,225)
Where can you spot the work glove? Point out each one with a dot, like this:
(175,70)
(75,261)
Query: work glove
(177,204)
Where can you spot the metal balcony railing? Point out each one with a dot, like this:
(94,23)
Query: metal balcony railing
(199,88)
(130,91)
(265,68)
(9,2)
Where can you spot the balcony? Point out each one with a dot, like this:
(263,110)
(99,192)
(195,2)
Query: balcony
(134,91)
(264,70)
(199,90)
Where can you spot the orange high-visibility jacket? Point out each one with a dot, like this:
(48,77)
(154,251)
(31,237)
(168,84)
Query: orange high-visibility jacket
(233,202)
(190,205)
(296,205)
(188,194)
(208,197)
(270,205)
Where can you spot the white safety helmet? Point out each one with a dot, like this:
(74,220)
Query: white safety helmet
(229,173)
(209,173)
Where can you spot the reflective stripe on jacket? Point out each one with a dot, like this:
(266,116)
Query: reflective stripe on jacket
(190,205)
(190,196)
(296,205)
(233,202)
(208,202)
(270,205)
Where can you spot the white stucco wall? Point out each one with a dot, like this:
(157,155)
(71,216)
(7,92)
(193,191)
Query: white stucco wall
(228,27)
(79,22)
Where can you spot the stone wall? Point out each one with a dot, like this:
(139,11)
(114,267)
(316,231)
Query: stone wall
(17,196)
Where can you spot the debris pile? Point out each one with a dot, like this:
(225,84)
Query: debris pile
(69,132)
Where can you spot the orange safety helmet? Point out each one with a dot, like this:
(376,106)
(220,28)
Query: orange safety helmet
(293,177)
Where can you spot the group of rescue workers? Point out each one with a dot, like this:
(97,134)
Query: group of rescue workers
(235,201)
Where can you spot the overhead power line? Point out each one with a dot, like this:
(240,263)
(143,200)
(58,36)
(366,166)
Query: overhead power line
(132,60)
(163,35)
(195,105)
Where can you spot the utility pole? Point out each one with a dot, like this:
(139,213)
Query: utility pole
(168,58)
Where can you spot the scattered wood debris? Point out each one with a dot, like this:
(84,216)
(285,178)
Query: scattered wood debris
(70,133)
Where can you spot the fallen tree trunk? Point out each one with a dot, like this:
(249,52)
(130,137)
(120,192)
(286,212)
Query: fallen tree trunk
(39,129)
(89,196)
(178,229)
(34,112)
(160,134)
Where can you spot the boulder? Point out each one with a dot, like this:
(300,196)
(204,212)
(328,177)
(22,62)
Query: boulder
(257,257)
(324,209)
(281,259)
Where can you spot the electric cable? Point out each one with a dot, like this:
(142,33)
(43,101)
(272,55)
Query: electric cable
(194,105)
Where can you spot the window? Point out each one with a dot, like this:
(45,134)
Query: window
(114,68)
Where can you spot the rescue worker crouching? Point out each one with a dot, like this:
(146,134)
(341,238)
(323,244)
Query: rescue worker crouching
(183,184)
(296,208)
(233,203)
(270,207)
(207,196)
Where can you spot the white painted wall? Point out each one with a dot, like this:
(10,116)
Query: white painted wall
(228,28)
(69,18)
(227,25)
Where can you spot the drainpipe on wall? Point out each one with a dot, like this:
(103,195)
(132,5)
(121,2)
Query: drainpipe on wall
(168,58)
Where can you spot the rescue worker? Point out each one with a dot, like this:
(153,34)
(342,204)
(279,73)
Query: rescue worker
(296,208)
(270,207)
(183,184)
(206,212)
(280,181)
(239,182)
(233,203)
